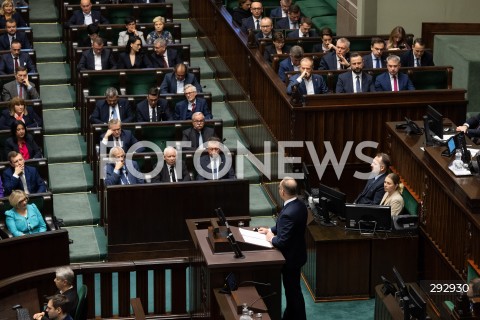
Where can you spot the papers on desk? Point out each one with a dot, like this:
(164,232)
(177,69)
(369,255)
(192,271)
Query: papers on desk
(459,170)
(256,238)
(445,137)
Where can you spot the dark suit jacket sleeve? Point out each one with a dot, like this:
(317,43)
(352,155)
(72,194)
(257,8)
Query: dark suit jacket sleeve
(82,64)
(195,82)
(206,111)
(10,182)
(165,86)
(323,63)
(473,126)
(111,63)
(380,84)
(6,95)
(293,81)
(185,173)
(32,92)
(95,117)
(123,61)
(141,116)
(31,68)
(286,225)
(340,88)
(111,178)
(39,182)
(33,119)
(282,69)
(3,65)
(166,112)
(129,116)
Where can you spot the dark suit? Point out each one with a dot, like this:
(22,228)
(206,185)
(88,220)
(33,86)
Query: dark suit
(7,64)
(32,120)
(382,82)
(345,83)
(368,62)
(284,66)
(238,14)
(125,63)
(162,111)
(296,34)
(19,36)
(124,176)
(269,50)
(205,164)
(276,13)
(182,112)
(17,17)
(77,18)
(192,135)
(329,61)
(408,59)
(127,139)
(249,23)
(102,112)
(373,191)
(284,23)
(164,174)
(34,182)
(169,83)
(289,238)
(87,61)
(34,150)
(473,126)
(156,61)
(10,90)
(259,36)
(319,86)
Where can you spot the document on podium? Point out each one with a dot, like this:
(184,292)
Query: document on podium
(256,238)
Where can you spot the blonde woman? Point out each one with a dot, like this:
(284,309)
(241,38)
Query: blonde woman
(393,194)
(7,11)
(159,23)
(23,218)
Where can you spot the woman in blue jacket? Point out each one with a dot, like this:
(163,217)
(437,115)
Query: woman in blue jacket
(23,218)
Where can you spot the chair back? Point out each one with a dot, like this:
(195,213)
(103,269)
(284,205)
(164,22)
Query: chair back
(81,312)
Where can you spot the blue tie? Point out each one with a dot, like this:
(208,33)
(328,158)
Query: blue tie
(377,63)
(357,85)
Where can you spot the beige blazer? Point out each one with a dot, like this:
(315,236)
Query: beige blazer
(395,201)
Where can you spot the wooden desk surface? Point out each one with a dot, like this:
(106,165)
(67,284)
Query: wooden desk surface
(28,299)
(228,308)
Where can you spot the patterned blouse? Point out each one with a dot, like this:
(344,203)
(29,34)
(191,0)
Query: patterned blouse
(152,36)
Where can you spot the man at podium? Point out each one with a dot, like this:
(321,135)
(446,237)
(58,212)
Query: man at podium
(288,235)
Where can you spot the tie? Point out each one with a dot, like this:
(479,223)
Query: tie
(200,139)
(295,25)
(20,91)
(165,61)
(11,39)
(258,25)
(357,85)
(172,174)
(395,85)
(16,63)
(124,177)
(154,114)
(418,63)
(114,113)
(24,182)
(193,107)
(377,63)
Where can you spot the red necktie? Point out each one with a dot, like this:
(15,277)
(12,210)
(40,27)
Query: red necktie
(16,63)
(395,85)
(193,107)
(165,61)
(20,91)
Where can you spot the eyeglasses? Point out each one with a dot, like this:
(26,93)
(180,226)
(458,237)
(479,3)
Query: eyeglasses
(187,93)
(24,199)
(256,8)
(214,149)
(269,26)
(198,121)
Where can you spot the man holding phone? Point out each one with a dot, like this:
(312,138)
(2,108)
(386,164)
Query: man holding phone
(20,87)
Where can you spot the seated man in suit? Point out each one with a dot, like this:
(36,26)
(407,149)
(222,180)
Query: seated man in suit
(305,29)
(375,59)
(355,81)
(117,137)
(327,41)
(21,177)
(86,16)
(12,34)
(198,133)
(292,21)
(56,308)
(121,171)
(253,22)
(393,80)
(215,165)
(339,59)
(176,81)
(292,63)
(93,31)
(20,87)
(306,82)
(97,58)
(112,107)
(153,108)
(471,128)
(16,58)
(266,27)
(417,56)
(184,109)
(162,56)
(374,189)
(282,10)
(172,171)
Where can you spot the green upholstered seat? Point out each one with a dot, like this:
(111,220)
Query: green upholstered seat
(429,79)
(411,204)
(317,9)
(326,22)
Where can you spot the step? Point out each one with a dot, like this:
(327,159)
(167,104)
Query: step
(53,73)
(58,121)
(210,85)
(89,244)
(205,70)
(77,209)
(70,177)
(50,51)
(188,30)
(180,10)
(231,136)
(46,32)
(43,11)
(220,110)
(57,96)
(63,148)
(196,50)
(260,204)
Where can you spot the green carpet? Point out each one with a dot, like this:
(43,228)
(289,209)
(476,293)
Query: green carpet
(220,110)
(65,148)
(77,208)
(50,51)
(82,250)
(260,204)
(59,96)
(231,136)
(70,177)
(46,32)
(43,11)
(53,73)
(58,121)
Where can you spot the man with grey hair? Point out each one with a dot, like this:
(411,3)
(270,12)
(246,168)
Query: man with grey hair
(65,283)
(198,133)
(339,59)
(184,109)
(288,236)
(112,107)
(393,80)
(176,81)
(119,170)
(282,10)
(162,56)
(170,171)
(292,63)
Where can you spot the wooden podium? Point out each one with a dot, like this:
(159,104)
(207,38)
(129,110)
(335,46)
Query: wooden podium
(209,270)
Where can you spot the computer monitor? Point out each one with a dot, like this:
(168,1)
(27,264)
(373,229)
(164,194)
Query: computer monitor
(331,201)
(435,122)
(364,217)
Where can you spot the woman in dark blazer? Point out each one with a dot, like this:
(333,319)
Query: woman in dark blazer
(277,46)
(7,11)
(132,58)
(18,111)
(22,142)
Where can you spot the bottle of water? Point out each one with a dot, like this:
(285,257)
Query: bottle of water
(245,313)
(458,155)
